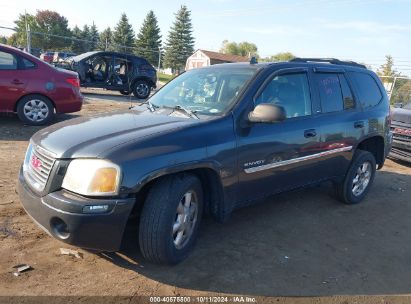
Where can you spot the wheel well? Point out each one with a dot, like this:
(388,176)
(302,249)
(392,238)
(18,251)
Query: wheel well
(143,78)
(374,145)
(212,190)
(33,94)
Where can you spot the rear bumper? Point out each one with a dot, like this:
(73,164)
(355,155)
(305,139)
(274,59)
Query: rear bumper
(73,105)
(60,215)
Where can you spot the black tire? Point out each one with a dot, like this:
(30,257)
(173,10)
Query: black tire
(141,89)
(159,216)
(345,190)
(41,104)
(123,92)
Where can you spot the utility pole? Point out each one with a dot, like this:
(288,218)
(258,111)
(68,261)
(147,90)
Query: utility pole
(28,34)
(28,39)
(159,58)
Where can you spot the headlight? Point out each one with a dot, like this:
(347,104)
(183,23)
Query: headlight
(92,177)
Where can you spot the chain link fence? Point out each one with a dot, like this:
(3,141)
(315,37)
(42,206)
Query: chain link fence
(55,48)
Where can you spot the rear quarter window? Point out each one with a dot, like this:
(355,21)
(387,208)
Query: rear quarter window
(369,92)
(27,64)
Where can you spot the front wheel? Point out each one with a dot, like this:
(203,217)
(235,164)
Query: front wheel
(358,179)
(170,219)
(141,89)
(35,110)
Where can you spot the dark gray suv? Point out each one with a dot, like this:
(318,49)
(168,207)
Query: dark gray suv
(210,141)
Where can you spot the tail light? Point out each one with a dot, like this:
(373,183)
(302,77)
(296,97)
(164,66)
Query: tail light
(75,82)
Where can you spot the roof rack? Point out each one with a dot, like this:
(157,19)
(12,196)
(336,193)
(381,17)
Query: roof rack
(329,60)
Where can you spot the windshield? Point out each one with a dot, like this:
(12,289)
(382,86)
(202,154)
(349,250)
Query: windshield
(209,91)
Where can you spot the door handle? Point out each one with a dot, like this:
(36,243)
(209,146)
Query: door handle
(310,133)
(16,81)
(359,124)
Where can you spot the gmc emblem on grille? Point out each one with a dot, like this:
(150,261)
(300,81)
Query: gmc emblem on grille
(35,162)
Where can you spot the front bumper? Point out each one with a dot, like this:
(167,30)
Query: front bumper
(60,215)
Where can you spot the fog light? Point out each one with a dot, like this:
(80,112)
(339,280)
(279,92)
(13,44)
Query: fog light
(95,209)
(59,228)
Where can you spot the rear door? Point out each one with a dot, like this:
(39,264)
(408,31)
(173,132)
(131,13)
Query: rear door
(12,80)
(341,122)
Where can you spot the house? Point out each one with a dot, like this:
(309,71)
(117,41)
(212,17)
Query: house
(202,58)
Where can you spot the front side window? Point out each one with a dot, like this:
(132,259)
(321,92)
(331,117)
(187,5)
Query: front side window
(209,91)
(7,61)
(291,91)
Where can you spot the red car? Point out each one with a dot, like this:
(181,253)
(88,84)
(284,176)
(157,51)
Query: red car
(47,57)
(35,90)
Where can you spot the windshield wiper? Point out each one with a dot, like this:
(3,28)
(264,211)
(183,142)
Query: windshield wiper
(150,106)
(186,111)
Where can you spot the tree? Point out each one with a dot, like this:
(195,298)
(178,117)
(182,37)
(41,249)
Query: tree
(52,23)
(180,41)
(45,27)
(77,46)
(19,38)
(387,69)
(402,91)
(93,37)
(3,39)
(85,37)
(282,56)
(123,34)
(244,48)
(228,47)
(106,38)
(148,40)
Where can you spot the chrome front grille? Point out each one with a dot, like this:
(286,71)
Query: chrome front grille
(37,166)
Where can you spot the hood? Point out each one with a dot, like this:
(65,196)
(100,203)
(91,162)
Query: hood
(91,136)
(401,115)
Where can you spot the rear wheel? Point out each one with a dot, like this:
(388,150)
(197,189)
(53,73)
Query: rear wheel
(35,110)
(358,179)
(170,219)
(141,89)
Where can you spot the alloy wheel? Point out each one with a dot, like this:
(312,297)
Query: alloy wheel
(185,219)
(362,178)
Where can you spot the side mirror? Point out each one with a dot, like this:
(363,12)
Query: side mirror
(267,113)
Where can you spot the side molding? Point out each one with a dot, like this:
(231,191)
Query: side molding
(296,160)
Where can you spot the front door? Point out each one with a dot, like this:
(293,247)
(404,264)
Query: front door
(281,156)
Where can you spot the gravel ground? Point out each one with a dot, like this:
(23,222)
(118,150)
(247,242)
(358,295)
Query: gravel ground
(298,244)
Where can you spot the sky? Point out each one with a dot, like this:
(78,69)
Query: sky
(360,30)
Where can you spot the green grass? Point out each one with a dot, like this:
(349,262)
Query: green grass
(164,77)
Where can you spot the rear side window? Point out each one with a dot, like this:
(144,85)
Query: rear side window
(27,64)
(330,92)
(7,61)
(369,93)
